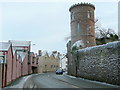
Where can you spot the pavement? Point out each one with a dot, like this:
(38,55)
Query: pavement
(51,80)
(18,83)
(85,83)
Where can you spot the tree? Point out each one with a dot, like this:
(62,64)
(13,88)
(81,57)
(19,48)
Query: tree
(103,35)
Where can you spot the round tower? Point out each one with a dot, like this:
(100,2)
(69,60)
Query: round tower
(82,24)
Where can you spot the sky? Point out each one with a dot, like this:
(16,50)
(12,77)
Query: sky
(46,24)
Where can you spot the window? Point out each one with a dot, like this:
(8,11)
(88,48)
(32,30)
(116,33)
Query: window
(88,27)
(72,16)
(37,61)
(78,27)
(51,66)
(89,14)
(33,60)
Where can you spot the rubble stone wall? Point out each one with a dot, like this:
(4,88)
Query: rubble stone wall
(0,75)
(100,63)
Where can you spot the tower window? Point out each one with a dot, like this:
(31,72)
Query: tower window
(89,14)
(78,27)
(72,16)
(88,27)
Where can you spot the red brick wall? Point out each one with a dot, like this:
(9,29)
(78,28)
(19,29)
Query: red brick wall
(14,73)
(31,62)
(3,75)
(18,67)
(25,65)
(9,66)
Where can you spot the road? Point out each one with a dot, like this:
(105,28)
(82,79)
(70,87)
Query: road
(51,80)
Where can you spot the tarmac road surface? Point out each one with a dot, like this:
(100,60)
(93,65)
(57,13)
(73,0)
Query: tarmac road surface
(51,80)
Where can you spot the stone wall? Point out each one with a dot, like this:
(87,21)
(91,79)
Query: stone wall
(0,75)
(119,19)
(100,63)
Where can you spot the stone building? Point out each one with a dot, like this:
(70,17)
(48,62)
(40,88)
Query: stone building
(48,61)
(82,24)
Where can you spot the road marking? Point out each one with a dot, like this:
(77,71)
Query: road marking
(75,86)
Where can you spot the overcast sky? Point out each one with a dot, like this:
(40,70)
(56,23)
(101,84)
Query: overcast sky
(46,24)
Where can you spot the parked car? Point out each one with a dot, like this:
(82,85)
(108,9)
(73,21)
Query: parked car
(59,71)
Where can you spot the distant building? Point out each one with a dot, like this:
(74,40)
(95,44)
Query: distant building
(33,63)
(48,61)
(63,64)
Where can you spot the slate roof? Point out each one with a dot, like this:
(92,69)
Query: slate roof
(55,54)
(21,54)
(4,46)
(18,47)
(20,43)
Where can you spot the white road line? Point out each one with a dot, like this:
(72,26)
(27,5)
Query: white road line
(74,86)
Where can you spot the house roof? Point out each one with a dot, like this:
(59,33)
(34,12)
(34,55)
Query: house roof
(21,54)
(44,53)
(20,43)
(17,46)
(4,46)
(55,54)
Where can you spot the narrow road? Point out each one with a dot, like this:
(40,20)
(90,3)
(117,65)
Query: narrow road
(51,80)
(48,80)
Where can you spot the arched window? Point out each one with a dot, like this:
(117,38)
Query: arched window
(78,27)
(89,14)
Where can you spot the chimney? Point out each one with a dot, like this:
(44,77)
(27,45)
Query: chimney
(39,52)
(54,52)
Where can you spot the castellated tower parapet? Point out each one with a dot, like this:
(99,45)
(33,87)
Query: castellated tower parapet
(82,24)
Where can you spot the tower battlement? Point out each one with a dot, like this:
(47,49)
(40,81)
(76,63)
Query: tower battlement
(81,4)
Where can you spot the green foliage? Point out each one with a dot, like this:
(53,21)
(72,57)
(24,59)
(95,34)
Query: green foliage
(74,48)
(104,40)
